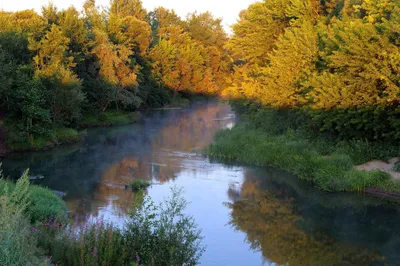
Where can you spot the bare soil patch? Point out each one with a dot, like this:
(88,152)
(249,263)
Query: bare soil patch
(385,166)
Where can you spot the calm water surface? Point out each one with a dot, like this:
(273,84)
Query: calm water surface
(248,215)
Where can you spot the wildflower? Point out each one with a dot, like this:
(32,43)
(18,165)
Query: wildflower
(94,253)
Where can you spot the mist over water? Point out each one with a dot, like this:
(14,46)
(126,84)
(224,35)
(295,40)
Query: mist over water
(248,215)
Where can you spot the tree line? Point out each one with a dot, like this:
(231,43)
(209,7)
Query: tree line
(337,61)
(61,64)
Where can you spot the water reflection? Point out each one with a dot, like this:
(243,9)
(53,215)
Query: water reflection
(292,225)
(249,216)
(95,173)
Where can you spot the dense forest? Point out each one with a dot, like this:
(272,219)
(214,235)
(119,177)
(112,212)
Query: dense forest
(318,86)
(63,68)
(336,60)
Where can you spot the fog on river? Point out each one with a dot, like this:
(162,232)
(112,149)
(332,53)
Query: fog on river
(248,215)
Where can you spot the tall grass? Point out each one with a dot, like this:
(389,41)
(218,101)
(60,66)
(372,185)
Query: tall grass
(328,164)
(153,235)
(17,243)
(109,118)
(57,136)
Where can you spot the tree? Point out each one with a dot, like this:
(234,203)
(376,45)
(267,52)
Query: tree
(53,66)
(118,70)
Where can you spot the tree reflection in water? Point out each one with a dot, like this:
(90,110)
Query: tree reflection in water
(274,226)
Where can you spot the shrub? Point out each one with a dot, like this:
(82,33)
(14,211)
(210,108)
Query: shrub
(152,235)
(43,203)
(140,184)
(163,235)
(68,135)
(17,243)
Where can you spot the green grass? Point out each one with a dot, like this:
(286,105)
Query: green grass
(139,184)
(18,245)
(57,136)
(109,118)
(328,164)
(43,203)
(179,101)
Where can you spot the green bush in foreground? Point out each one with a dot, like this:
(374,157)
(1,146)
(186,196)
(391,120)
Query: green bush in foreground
(331,171)
(152,235)
(43,203)
(17,242)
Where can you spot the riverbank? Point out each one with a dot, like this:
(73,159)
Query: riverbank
(36,230)
(330,165)
(11,139)
(110,118)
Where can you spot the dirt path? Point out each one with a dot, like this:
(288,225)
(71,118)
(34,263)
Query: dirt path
(381,165)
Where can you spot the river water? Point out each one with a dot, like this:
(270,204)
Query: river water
(248,215)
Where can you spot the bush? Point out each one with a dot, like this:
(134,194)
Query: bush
(68,135)
(163,235)
(43,203)
(152,235)
(17,243)
(140,184)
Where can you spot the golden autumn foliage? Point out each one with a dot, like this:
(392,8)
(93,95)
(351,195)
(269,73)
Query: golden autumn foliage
(27,21)
(190,55)
(114,61)
(323,56)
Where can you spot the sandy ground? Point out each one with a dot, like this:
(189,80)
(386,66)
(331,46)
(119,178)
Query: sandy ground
(381,165)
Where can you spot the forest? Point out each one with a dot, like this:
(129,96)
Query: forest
(318,86)
(337,61)
(65,69)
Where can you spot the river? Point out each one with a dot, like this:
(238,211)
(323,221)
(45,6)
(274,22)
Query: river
(248,215)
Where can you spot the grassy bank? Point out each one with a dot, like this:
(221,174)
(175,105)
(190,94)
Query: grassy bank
(58,136)
(329,164)
(109,118)
(17,141)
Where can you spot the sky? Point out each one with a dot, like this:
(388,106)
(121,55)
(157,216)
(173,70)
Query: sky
(228,10)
